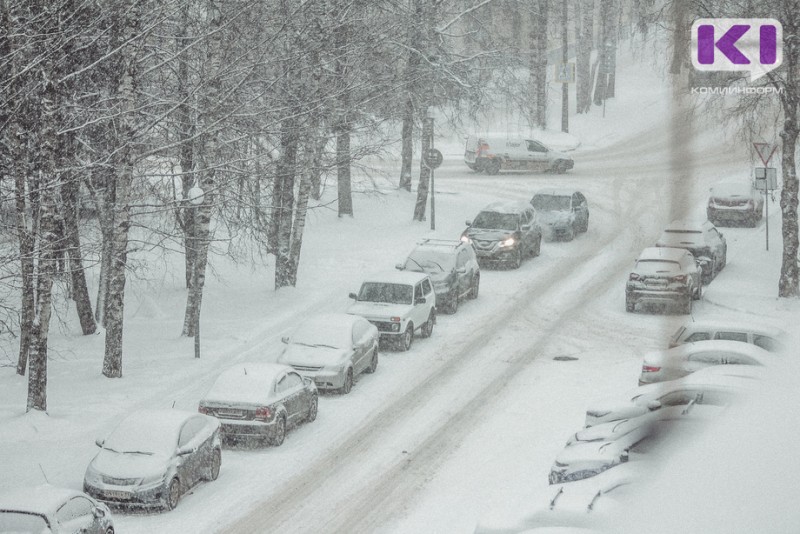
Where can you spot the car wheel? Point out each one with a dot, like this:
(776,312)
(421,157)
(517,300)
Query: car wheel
(214,465)
(312,410)
(560,167)
(110,530)
(697,294)
(585,226)
(630,304)
(724,261)
(348,382)
(571,235)
(476,284)
(173,494)
(708,275)
(280,431)
(427,327)
(516,261)
(492,167)
(373,363)
(452,304)
(537,249)
(407,338)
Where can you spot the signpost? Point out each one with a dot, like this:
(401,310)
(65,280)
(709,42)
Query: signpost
(766,178)
(432,158)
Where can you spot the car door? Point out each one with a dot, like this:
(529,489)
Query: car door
(528,229)
(537,156)
(296,404)
(463,271)
(702,359)
(715,242)
(190,464)
(362,343)
(418,312)
(77,515)
(580,209)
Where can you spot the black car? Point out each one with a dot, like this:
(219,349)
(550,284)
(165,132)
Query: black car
(452,266)
(505,232)
(703,240)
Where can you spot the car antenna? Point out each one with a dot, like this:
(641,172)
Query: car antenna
(556,496)
(43,473)
(245,370)
(173,405)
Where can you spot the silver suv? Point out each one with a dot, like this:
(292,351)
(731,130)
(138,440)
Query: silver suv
(662,275)
(398,303)
(452,266)
(563,212)
(505,232)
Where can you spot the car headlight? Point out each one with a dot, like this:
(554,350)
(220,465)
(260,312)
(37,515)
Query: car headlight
(153,480)
(395,327)
(466,239)
(509,242)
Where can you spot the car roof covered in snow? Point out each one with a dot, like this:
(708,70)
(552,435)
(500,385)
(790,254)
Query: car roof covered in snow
(396,277)
(719,345)
(331,321)
(732,189)
(556,192)
(508,206)
(249,383)
(42,500)
(688,225)
(663,253)
(733,325)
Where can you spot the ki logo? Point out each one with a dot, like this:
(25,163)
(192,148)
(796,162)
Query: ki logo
(754,45)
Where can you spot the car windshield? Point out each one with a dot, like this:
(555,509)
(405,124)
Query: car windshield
(551,203)
(388,293)
(657,266)
(316,334)
(430,261)
(22,522)
(731,190)
(682,237)
(491,220)
(134,437)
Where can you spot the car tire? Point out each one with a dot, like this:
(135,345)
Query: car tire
(407,338)
(537,249)
(452,304)
(697,294)
(347,386)
(313,409)
(585,226)
(213,465)
(172,495)
(517,260)
(492,167)
(630,306)
(560,167)
(476,285)
(427,326)
(706,278)
(571,235)
(724,261)
(280,431)
(373,362)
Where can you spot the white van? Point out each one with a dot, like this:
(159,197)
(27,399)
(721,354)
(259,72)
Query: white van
(491,154)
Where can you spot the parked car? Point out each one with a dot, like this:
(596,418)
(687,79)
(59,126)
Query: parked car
(398,304)
(586,459)
(770,338)
(703,240)
(669,364)
(332,349)
(505,232)
(452,266)
(600,492)
(260,401)
(153,457)
(630,431)
(735,202)
(493,153)
(717,386)
(563,213)
(53,510)
(664,275)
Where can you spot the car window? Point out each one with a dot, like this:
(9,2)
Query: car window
(73,509)
(463,258)
(765,342)
(190,430)
(426,287)
(293,381)
(359,331)
(709,357)
(738,359)
(533,146)
(679,398)
(677,335)
(698,336)
(282,384)
(491,220)
(714,397)
(417,292)
(732,336)
(581,198)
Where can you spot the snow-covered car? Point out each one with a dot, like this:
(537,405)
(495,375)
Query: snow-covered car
(629,431)
(452,266)
(586,459)
(332,349)
(738,202)
(153,457)
(703,240)
(563,213)
(717,386)
(677,362)
(664,275)
(595,493)
(767,337)
(260,401)
(48,509)
(398,303)
(505,232)
(493,153)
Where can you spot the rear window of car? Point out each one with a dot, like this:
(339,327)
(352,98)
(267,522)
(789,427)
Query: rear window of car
(551,202)
(658,266)
(698,336)
(732,336)
(765,342)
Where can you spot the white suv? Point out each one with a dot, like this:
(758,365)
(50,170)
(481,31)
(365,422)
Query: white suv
(398,303)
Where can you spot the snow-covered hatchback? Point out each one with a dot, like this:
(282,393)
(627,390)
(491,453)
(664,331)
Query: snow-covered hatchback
(664,275)
(398,303)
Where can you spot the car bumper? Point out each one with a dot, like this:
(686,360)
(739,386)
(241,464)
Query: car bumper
(557,476)
(144,496)
(231,429)
(652,296)
(325,379)
(557,231)
(731,214)
(500,255)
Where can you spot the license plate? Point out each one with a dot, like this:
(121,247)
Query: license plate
(118,494)
(229,413)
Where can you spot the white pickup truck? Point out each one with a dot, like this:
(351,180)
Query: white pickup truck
(397,303)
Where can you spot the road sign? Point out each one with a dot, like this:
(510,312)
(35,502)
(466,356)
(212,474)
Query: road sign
(565,72)
(765,152)
(432,158)
(766,178)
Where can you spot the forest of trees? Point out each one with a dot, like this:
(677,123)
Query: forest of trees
(112,112)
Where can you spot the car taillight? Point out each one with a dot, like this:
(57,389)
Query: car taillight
(650,368)
(634,276)
(679,278)
(395,319)
(263,413)
(203,410)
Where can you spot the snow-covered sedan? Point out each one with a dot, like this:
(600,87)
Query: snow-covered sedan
(153,457)
(586,459)
(669,364)
(332,349)
(47,509)
(260,401)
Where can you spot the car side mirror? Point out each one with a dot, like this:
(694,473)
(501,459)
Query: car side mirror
(461,270)
(525,227)
(353,296)
(399,266)
(468,223)
(421,300)
(186,449)
(98,512)
(653,405)
(99,442)
(285,339)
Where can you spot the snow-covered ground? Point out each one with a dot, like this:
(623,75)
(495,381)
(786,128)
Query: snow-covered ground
(465,425)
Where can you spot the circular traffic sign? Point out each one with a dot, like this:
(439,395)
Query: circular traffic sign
(432,158)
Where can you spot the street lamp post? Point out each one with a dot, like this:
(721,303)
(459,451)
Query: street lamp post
(196,197)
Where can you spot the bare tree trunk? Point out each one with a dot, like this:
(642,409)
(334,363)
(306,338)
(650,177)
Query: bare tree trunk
(414,90)
(585,13)
(537,113)
(424,171)
(285,177)
(186,130)
(789,282)
(102,188)
(299,225)
(343,157)
(24,212)
(407,139)
(80,292)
